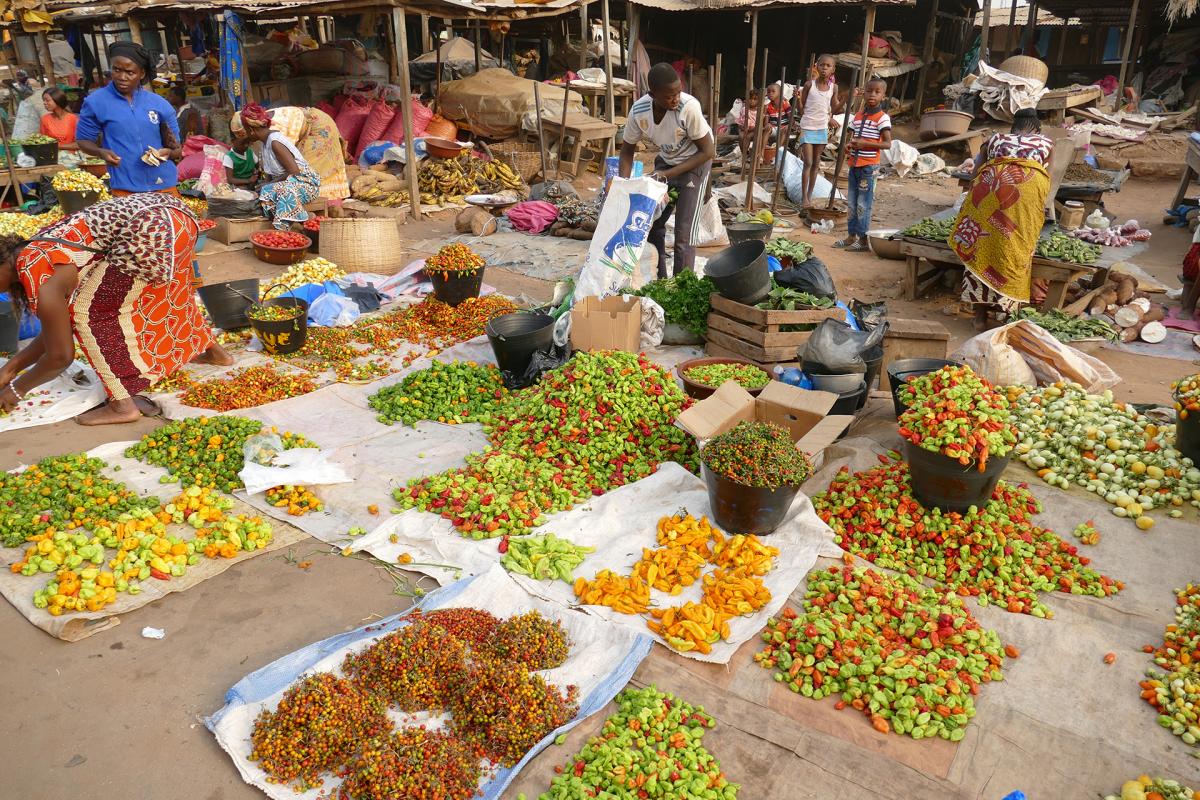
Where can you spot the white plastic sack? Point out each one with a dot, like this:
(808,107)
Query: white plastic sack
(301,466)
(654,320)
(901,156)
(711,231)
(629,210)
(792,176)
(28,121)
(927,164)
(736,194)
(26,161)
(333,311)
(1024,353)
(212,175)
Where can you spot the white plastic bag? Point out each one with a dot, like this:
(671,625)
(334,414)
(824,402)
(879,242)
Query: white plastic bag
(333,311)
(629,210)
(1024,353)
(792,176)
(901,156)
(654,320)
(301,466)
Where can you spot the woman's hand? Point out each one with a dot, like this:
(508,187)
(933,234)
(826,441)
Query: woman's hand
(110,158)
(8,399)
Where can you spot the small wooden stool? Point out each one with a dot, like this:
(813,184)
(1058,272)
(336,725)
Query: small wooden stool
(582,130)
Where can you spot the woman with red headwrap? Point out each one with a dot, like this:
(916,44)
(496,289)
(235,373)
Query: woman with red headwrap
(291,182)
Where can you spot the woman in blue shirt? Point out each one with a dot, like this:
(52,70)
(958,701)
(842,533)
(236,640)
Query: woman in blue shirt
(139,129)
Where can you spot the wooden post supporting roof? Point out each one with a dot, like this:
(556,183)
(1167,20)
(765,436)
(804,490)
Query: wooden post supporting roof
(985,31)
(926,56)
(1129,31)
(608,89)
(400,36)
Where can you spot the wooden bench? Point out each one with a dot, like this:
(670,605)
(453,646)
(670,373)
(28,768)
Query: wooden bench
(582,130)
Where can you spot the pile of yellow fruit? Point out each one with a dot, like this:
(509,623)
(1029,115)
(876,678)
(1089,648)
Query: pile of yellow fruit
(314,270)
(78,180)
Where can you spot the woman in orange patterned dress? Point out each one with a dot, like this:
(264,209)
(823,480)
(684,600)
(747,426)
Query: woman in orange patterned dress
(117,276)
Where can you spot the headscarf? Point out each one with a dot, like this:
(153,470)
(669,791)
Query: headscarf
(252,116)
(135,53)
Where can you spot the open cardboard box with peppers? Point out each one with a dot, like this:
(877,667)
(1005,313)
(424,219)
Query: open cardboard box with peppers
(803,412)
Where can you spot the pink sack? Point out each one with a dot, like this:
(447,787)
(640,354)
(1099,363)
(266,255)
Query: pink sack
(327,108)
(339,100)
(377,123)
(196,144)
(533,215)
(350,121)
(190,166)
(421,116)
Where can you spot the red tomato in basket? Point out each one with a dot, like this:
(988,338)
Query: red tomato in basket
(280,239)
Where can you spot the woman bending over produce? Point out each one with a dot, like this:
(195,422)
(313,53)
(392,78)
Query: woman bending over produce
(118,277)
(1001,219)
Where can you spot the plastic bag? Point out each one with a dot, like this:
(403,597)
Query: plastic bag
(367,298)
(869,315)
(808,276)
(333,311)
(237,204)
(616,248)
(268,464)
(542,361)
(1022,352)
(834,345)
(654,321)
(212,174)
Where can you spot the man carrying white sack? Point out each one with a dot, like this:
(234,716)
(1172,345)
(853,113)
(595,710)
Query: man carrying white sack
(675,122)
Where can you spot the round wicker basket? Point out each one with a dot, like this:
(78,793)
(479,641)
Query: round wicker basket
(1026,67)
(361,244)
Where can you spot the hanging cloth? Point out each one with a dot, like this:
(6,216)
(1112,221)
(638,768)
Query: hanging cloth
(233,65)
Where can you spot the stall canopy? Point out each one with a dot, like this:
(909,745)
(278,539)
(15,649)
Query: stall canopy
(726,5)
(75,10)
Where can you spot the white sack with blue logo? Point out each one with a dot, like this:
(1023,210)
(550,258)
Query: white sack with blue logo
(629,210)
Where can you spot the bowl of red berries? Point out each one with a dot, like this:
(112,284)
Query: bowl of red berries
(205,225)
(280,247)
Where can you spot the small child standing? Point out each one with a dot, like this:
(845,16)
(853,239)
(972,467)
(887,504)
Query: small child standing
(871,131)
(777,109)
(819,101)
(747,120)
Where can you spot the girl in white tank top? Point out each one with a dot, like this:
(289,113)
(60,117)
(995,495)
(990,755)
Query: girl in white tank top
(820,102)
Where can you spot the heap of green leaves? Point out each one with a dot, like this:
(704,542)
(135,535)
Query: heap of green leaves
(684,300)
(784,298)
(782,248)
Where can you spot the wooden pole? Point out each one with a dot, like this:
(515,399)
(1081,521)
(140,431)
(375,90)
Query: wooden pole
(624,40)
(760,136)
(984,33)
(746,115)
(782,143)
(712,102)
(1012,21)
(753,50)
(583,36)
(400,37)
(47,62)
(562,129)
(393,67)
(717,88)
(425,40)
(1062,45)
(1133,12)
(804,45)
(635,32)
(437,77)
(863,76)
(135,30)
(478,46)
(608,89)
(537,110)
(1029,35)
(926,56)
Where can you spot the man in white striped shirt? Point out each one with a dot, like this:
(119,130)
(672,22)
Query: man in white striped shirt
(675,122)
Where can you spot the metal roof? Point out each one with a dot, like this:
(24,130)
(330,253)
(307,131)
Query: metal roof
(78,10)
(735,5)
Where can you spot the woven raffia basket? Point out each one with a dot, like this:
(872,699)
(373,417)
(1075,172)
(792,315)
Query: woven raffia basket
(523,157)
(1026,67)
(361,244)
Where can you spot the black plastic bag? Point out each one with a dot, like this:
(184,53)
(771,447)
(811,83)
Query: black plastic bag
(869,315)
(837,347)
(367,298)
(541,362)
(234,209)
(808,276)
(47,197)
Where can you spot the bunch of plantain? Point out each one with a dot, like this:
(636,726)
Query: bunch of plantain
(449,179)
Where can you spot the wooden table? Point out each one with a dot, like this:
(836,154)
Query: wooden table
(1191,171)
(581,130)
(592,94)
(974,140)
(1059,274)
(25,175)
(1057,101)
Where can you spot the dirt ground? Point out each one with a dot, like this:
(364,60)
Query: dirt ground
(118,715)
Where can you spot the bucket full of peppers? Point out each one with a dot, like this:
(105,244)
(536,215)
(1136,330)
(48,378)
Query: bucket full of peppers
(1187,416)
(753,473)
(958,432)
(281,323)
(456,272)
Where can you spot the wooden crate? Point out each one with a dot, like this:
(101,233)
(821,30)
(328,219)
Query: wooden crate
(755,334)
(912,338)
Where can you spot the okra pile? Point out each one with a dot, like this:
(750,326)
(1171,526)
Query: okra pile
(653,747)
(994,552)
(598,422)
(454,393)
(955,412)
(1070,437)
(909,657)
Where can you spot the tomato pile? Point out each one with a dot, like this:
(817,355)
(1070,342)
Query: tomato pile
(954,412)
(652,747)
(907,656)
(452,393)
(455,660)
(206,225)
(995,552)
(599,421)
(280,240)
(313,223)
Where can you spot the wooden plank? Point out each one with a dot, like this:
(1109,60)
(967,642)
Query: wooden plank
(757,336)
(751,351)
(716,351)
(764,317)
(917,329)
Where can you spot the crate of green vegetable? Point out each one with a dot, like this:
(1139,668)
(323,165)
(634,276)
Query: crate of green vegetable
(766,335)
(789,252)
(703,376)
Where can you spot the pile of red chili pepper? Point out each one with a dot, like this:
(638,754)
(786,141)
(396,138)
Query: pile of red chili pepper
(432,323)
(1174,694)
(532,640)
(598,422)
(1181,639)
(246,388)
(412,668)
(758,454)
(414,762)
(909,657)
(333,349)
(454,258)
(954,412)
(995,552)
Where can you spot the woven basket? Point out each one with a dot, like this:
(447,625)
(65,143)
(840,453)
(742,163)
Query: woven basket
(523,157)
(1026,67)
(361,245)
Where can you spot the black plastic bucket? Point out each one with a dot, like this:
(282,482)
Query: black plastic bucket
(10,328)
(851,401)
(77,201)
(746,509)
(740,272)
(226,307)
(1187,435)
(901,370)
(453,288)
(939,481)
(516,337)
(43,155)
(280,337)
(748,232)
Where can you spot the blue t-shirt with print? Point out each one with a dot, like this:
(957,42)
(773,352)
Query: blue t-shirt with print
(129,127)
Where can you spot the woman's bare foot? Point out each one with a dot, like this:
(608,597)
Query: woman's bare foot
(114,412)
(215,355)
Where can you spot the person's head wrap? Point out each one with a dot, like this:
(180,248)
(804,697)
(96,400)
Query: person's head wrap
(135,53)
(252,116)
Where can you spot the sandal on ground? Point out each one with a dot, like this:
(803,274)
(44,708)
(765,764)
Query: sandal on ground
(844,243)
(858,247)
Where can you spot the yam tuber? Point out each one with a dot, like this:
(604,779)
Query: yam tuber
(1153,332)
(1102,301)
(1127,316)
(1126,286)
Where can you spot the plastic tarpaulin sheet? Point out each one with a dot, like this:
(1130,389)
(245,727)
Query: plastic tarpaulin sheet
(602,659)
(492,101)
(76,390)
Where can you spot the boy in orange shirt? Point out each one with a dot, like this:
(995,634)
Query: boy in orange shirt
(870,131)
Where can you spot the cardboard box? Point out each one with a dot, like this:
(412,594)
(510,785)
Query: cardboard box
(231,231)
(614,323)
(801,411)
